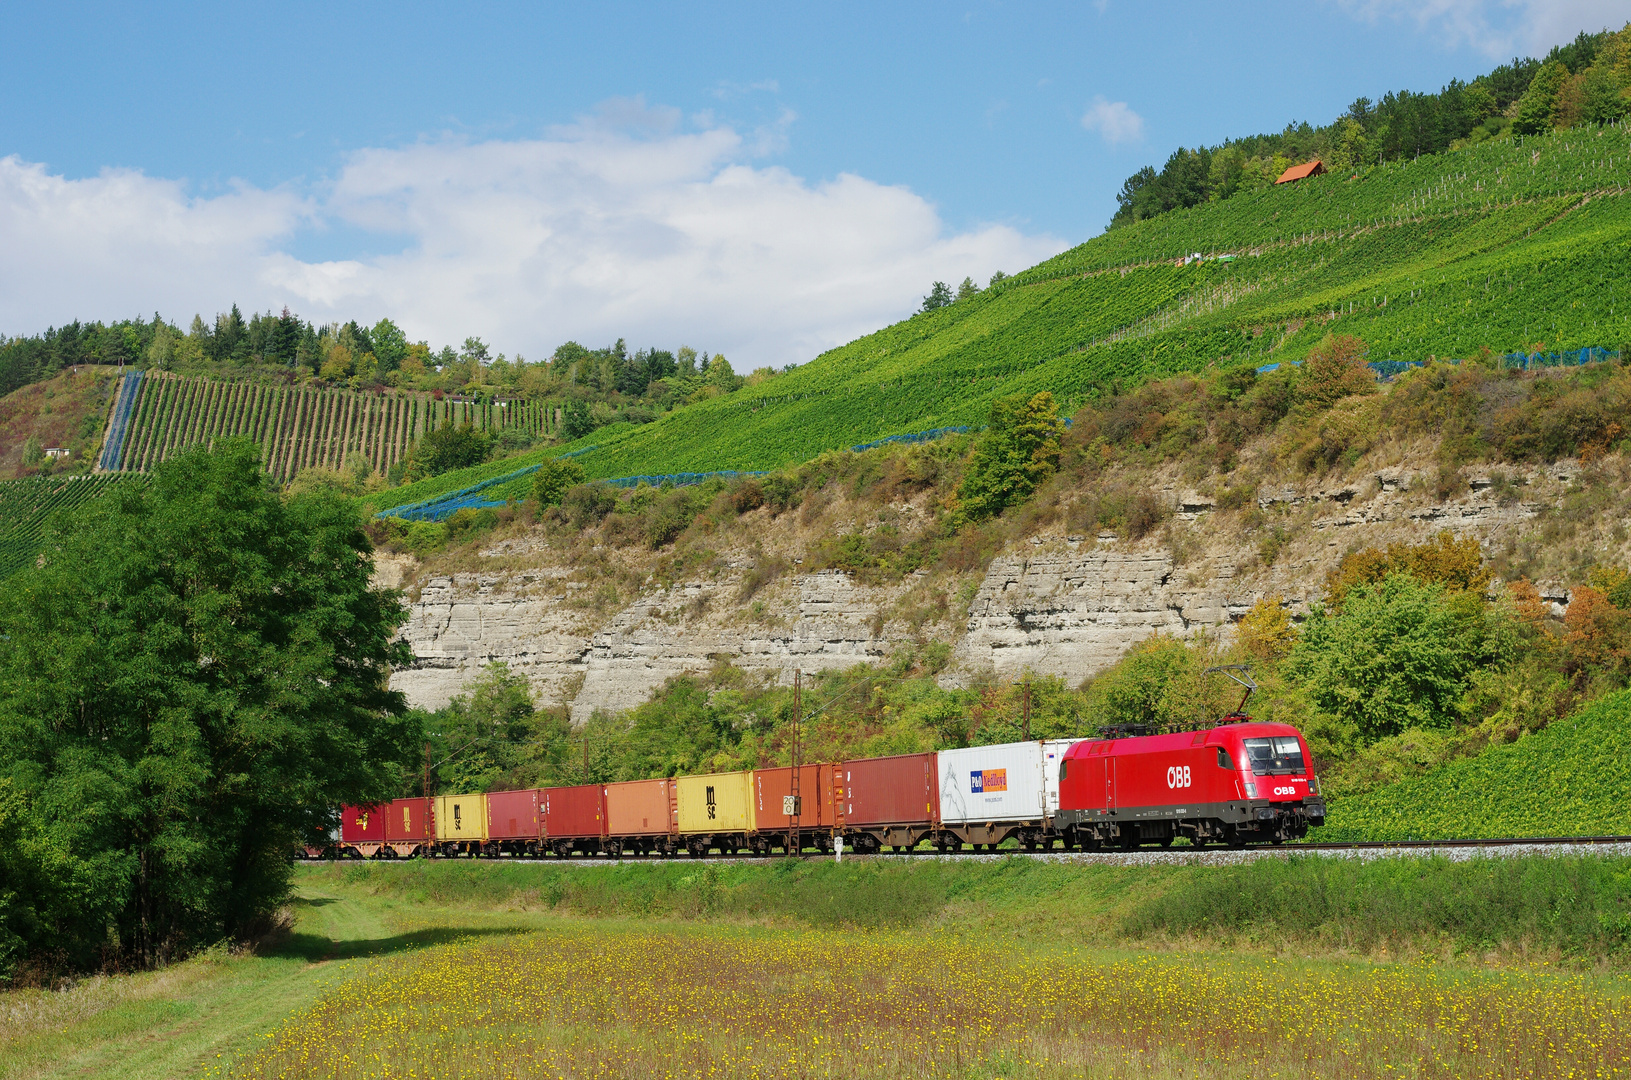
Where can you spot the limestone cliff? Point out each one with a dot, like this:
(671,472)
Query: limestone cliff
(1052,602)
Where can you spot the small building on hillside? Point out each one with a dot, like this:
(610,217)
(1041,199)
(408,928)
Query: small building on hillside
(1301,172)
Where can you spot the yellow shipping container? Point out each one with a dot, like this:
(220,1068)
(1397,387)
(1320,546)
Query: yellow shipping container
(461,817)
(717,803)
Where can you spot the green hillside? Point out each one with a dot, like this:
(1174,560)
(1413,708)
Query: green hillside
(28,505)
(1570,779)
(1513,245)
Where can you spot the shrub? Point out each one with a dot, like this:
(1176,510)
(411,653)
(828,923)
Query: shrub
(554,478)
(1019,450)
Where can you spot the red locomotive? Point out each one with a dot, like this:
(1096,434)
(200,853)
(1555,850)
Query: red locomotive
(1235,783)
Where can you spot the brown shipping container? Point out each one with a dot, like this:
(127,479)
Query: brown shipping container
(771,786)
(574,812)
(405,820)
(640,808)
(513,815)
(887,791)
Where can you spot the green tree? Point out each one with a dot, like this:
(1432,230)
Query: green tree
(33,452)
(577,422)
(481,739)
(1159,684)
(1539,101)
(553,478)
(1398,656)
(190,681)
(1019,450)
(390,344)
(967,289)
(451,447)
(939,296)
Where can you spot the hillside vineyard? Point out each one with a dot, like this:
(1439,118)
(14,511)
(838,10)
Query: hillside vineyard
(297,427)
(1516,245)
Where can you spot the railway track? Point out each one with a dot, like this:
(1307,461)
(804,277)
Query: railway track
(1456,850)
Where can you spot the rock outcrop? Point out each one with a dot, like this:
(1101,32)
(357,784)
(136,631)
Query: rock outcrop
(1059,605)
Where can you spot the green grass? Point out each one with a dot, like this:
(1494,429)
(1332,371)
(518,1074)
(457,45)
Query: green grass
(1302,917)
(1503,245)
(1572,778)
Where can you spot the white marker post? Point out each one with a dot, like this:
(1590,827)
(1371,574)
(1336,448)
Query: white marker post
(838,849)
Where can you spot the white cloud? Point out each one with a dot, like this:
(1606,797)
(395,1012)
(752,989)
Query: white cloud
(1114,121)
(1499,29)
(592,234)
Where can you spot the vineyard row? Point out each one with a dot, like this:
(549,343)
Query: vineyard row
(297,427)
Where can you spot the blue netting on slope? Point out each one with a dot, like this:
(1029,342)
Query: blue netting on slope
(1591,354)
(679,479)
(915,437)
(442,507)
(114,450)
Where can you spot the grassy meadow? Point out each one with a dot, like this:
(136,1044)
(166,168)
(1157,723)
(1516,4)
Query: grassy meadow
(1006,968)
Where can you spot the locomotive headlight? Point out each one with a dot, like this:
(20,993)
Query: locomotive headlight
(1251,790)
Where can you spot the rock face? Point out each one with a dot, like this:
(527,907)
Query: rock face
(1073,610)
(1059,605)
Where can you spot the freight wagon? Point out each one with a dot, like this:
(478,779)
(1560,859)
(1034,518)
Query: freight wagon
(789,821)
(991,793)
(641,817)
(1238,783)
(888,800)
(515,822)
(715,811)
(574,819)
(461,825)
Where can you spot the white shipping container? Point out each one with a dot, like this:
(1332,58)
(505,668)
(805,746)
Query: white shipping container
(991,783)
(1053,755)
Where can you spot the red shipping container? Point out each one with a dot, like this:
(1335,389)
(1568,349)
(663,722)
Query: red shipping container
(513,815)
(406,819)
(640,808)
(900,790)
(574,812)
(772,786)
(362,824)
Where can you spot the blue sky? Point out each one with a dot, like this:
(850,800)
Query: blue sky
(767,179)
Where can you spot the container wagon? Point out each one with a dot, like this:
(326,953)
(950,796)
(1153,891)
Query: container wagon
(714,811)
(574,819)
(991,793)
(887,800)
(407,829)
(461,824)
(1236,783)
(641,817)
(362,832)
(781,820)
(515,825)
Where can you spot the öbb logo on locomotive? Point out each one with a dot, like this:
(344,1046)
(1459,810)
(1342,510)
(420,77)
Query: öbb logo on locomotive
(1178,776)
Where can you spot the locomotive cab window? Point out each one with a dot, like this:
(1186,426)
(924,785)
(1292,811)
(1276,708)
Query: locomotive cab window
(1279,755)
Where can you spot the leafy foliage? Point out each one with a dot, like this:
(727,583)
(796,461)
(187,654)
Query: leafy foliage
(554,477)
(189,682)
(1568,780)
(1019,450)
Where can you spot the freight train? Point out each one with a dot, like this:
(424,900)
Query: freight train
(1236,783)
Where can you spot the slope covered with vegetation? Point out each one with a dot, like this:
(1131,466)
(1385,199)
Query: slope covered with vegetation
(1510,246)
(1569,779)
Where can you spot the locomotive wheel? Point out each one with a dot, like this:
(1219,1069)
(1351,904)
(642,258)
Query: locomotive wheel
(1197,840)
(1236,839)
(1166,841)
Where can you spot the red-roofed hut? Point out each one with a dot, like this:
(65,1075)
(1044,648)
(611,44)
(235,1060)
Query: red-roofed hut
(1300,172)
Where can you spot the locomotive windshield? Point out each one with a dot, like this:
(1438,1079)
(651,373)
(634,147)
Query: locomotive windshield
(1280,755)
